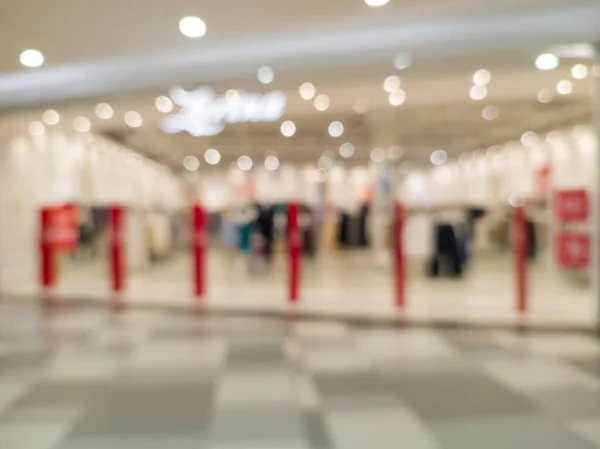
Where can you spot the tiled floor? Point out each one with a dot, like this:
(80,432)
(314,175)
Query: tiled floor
(81,378)
(348,285)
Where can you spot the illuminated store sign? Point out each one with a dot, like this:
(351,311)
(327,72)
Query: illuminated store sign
(203,113)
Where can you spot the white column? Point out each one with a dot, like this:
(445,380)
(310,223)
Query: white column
(594,270)
(383,136)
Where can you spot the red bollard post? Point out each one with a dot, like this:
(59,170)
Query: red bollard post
(117,249)
(398,253)
(199,250)
(295,252)
(520,248)
(47,249)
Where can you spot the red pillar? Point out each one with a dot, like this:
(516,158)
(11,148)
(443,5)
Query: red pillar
(117,248)
(520,249)
(295,252)
(199,250)
(47,249)
(398,254)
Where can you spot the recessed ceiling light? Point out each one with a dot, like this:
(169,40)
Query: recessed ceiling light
(545,96)
(362,106)
(51,117)
(32,58)
(322,103)
(232,97)
(402,61)
(336,129)
(133,119)
(579,71)
(439,157)
(478,93)
(191,163)
(265,75)
(192,27)
(325,162)
(288,128)
(482,77)
(320,175)
(547,61)
(490,112)
(36,129)
(104,111)
(212,156)
(395,152)
(164,104)
(346,150)
(271,163)
(307,91)
(397,98)
(530,139)
(391,84)
(376,3)
(87,138)
(244,163)
(377,155)
(564,87)
(82,124)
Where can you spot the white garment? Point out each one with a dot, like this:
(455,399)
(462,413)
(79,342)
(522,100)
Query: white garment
(450,216)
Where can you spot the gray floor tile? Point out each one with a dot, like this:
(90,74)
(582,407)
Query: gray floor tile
(569,403)
(350,383)
(381,429)
(279,444)
(590,365)
(457,396)
(149,410)
(508,433)
(315,430)
(32,435)
(422,369)
(136,442)
(61,394)
(256,425)
(588,429)
(30,360)
(473,341)
(362,401)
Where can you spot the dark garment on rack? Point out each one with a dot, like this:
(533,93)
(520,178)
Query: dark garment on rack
(344,229)
(447,255)
(362,226)
(309,244)
(265,226)
(352,230)
(531,235)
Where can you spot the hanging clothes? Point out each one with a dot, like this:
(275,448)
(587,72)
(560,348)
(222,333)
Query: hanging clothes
(446,257)
(265,226)
(532,244)
(344,229)
(450,250)
(362,218)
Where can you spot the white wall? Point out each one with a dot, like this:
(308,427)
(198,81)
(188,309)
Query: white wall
(489,177)
(55,168)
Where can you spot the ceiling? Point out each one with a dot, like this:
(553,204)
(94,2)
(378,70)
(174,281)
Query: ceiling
(76,30)
(128,52)
(101,48)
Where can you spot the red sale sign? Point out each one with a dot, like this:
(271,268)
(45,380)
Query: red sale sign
(572,250)
(59,227)
(571,205)
(65,224)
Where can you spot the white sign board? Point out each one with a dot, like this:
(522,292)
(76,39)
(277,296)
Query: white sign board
(203,113)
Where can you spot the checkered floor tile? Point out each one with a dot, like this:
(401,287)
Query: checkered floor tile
(81,378)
